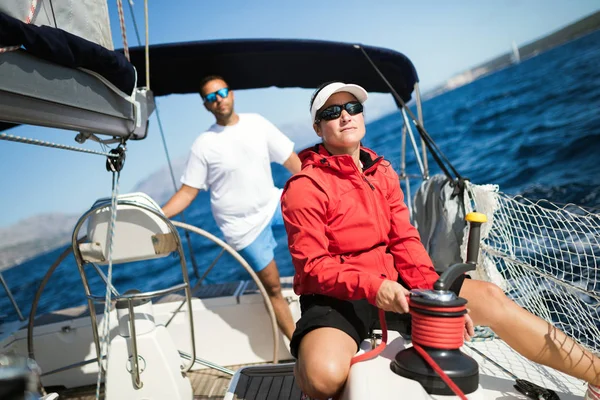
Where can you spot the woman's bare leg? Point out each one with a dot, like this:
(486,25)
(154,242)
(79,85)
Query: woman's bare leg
(531,336)
(324,362)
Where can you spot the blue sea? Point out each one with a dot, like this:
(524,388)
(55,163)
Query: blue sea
(532,128)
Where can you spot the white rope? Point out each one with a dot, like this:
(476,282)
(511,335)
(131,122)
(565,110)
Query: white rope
(105,336)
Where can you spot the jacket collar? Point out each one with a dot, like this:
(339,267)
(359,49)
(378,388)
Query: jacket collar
(319,156)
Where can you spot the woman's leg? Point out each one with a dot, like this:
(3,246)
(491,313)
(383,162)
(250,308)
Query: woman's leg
(323,362)
(531,336)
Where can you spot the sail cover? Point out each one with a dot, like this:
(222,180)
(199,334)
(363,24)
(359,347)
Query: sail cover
(71,16)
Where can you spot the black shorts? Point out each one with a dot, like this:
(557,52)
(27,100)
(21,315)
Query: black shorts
(357,318)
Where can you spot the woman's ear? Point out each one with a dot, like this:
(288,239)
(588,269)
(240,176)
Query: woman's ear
(317,129)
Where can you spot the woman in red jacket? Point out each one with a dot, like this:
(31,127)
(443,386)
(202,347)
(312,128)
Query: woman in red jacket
(354,249)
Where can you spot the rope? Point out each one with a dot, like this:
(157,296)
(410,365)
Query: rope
(104,339)
(437,332)
(147,51)
(123,32)
(19,139)
(28,20)
(439,371)
(483,334)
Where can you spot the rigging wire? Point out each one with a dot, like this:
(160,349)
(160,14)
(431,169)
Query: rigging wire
(37,142)
(53,14)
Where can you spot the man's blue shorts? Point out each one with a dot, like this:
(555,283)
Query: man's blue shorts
(261,252)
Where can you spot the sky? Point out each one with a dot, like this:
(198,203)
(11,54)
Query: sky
(442,38)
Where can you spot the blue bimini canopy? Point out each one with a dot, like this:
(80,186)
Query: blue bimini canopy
(284,63)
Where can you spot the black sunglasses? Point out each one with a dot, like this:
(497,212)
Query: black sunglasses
(334,112)
(212,97)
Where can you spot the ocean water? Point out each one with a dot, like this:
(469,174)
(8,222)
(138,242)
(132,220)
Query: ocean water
(532,128)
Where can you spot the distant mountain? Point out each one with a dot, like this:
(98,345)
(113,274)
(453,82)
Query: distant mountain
(34,235)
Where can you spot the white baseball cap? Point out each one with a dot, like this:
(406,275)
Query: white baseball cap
(336,87)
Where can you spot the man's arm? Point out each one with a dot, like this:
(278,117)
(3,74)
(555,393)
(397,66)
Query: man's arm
(293,163)
(180,201)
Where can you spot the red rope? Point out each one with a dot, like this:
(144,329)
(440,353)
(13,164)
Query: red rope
(377,350)
(437,332)
(439,371)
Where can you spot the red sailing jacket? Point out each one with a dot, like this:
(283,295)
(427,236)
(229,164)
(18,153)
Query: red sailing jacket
(349,230)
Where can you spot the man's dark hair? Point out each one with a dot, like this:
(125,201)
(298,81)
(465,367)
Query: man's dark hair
(207,79)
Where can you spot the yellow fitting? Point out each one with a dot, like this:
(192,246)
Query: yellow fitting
(476,217)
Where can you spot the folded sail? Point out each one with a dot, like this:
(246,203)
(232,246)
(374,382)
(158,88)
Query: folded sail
(87,19)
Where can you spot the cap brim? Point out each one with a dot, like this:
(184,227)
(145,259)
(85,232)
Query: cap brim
(337,87)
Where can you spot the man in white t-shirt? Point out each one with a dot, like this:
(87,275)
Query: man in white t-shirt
(232,160)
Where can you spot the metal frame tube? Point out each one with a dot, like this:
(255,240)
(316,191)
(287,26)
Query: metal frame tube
(11,298)
(412,140)
(420,117)
(135,367)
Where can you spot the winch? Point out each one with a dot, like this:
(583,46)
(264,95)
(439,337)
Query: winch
(438,324)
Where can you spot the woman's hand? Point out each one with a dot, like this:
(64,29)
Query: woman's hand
(391,296)
(469,328)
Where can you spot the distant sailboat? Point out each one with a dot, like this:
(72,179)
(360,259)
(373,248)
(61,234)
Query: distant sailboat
(516,57)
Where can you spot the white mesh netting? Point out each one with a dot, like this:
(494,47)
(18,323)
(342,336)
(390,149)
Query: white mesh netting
(545,257)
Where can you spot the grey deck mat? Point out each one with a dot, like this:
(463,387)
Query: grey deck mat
(271,382)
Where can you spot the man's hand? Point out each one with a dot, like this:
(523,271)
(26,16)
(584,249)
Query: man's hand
(392,297)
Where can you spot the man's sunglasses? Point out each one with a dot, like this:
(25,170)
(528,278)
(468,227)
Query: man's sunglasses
(212,97)
(334,112)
